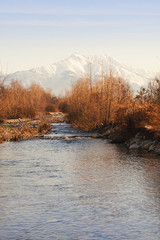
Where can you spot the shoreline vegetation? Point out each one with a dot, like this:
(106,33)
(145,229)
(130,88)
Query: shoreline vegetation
(107,105)
(110,106)
(24,112)
(25,128)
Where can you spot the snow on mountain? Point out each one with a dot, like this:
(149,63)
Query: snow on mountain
(60,75)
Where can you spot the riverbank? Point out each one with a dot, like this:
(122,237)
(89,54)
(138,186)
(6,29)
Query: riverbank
(20,129)
(144,138)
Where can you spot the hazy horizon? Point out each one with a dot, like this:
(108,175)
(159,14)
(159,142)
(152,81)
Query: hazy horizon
(38,33)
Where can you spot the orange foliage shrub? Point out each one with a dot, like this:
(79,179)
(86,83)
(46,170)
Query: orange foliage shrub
(17,101)
(92,107)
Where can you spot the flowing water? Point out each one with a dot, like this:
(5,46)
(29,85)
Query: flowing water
(77,187)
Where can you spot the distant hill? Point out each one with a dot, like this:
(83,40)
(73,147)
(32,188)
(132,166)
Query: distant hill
(59,76)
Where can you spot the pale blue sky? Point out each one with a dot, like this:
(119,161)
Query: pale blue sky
(40,32)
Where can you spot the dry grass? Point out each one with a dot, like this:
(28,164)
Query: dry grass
(25,128)
(44,127)
(20,131)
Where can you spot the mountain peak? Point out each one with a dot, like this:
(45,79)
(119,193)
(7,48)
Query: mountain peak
(60,75)
(76,55)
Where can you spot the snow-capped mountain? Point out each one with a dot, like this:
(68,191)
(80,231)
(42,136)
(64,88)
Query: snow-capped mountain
(59,76)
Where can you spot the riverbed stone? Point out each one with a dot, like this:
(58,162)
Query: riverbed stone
(132,141)
(157,149)
(151,148)
(147,144)
(134,146)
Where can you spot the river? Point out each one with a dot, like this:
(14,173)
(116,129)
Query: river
(77,187)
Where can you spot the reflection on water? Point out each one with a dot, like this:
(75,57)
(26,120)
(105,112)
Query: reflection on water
(82,189)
